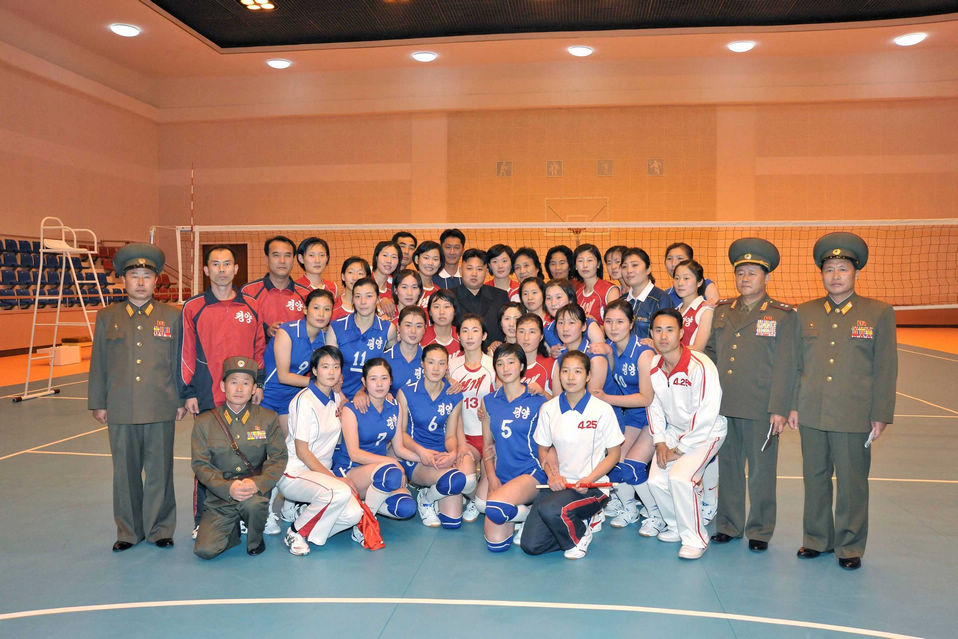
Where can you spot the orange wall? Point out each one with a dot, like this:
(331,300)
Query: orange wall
(72,156)
(845,160)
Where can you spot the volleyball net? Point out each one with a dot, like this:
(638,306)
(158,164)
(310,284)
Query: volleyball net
(912,264)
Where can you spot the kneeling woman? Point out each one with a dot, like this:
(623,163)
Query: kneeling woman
(510,467)
(362,454)
(314,430)
(579,443)
(440,465)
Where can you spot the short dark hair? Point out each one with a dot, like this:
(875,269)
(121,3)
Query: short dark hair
(622,305)
(308,242)
(452,233)
(399,234)
(510,349)
(278,238)
(572,309)
(671,312)
(325,351)
(531,253)
(697,271)
(366,281)
(377,361)
(642,255)
(474,253)
(579,355)
(355,259)
(319,292)
(588,248)
(567,252)
(400,276)
(412,310)
(443,294)
(615,248)
(527,318)
(505,307)
(428,245)
(681,245)
(500,249)
(471,316)
(433,347)
(380,247)
(567,287)
(218,247)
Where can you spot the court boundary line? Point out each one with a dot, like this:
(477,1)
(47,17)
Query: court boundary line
(925,401)
(947,359)
(81,454)
(397,601)
(59,441)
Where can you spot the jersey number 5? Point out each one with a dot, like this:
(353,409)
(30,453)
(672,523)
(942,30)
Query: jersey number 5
(504,428)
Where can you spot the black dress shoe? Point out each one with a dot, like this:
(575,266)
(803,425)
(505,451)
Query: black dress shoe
(758,545)
(721,538)
(258,549)
(166,542)
(850,563)
(120,546)
(808,553)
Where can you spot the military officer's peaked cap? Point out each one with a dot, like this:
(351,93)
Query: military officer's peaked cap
(754,250)
(240,365)
(842,245)
(138,255)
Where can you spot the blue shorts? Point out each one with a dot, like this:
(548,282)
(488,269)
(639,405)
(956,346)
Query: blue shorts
(409,467)
(276,405)
(340,471)
(537,473)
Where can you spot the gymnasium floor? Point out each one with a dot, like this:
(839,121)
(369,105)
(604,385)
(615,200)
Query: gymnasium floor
(60,577)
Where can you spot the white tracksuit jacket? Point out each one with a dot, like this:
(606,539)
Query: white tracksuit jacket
(685,411)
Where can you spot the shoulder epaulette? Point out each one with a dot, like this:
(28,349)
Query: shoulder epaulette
(782,306)
(725,302)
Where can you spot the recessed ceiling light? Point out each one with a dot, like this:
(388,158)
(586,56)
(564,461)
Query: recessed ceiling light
(424,56)
(125,30)
(741,46)
(580,50)
(256,5)
(910,39)
(279,63)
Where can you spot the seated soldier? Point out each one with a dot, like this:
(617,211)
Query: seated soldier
(238,454)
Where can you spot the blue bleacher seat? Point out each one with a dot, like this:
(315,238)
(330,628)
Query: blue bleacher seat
(35,246)
(8,277)
(23,277)
(25,246)
(9,259)
(77,262)
(50,261)
(24,297)
(26,260)
(11,246)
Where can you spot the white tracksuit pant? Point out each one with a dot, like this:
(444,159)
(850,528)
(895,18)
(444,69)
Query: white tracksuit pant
(332,506)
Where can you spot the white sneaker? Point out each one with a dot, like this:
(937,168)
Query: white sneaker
(290,511)
(614,507)
(272,525)
(297,545)
(691,552)
(196,530)
(670,536)
(626,517)
(427,511)
(578,551)
(596,522)
(243,528)
(358,536)
(517,535)
(651,527)
(471,512)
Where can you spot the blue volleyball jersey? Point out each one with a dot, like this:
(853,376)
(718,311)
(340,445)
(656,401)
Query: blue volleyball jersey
(404,373)
(375,430)
(427,416)
(626,375)
(357,347)
(276,395)
(512,424)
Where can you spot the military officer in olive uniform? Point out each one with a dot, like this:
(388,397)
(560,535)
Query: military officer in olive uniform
(844,399)
(753,344)
(240,469)
(133,390)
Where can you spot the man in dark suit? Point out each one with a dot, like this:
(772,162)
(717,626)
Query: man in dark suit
(473,296)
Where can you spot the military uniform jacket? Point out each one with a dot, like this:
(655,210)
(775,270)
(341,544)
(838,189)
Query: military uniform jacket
(847,364)
(133,363)
(755,353)
(257,434)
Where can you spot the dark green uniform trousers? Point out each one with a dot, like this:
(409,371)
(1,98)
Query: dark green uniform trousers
(144,505)
(743,445)
(844,454)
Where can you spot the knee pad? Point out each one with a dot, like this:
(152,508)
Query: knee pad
(449,522)
(499,546)
(400,506)
(387,478)
(635,472)
(451,483)
(500,512)
(617,475)
(471,483)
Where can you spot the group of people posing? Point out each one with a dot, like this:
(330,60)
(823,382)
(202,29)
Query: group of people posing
(552,402)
